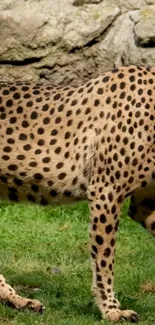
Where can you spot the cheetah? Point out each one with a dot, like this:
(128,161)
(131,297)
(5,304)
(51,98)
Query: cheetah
(94,142)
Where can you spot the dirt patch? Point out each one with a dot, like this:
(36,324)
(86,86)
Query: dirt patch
(148,287)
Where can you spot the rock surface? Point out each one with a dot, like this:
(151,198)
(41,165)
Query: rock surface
(70,41)
(145,27)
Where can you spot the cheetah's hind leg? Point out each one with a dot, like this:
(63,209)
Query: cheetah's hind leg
(142,207)
(9,295)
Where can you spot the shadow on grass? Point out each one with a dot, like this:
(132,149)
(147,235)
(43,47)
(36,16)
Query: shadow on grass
(139,304)
(55,292)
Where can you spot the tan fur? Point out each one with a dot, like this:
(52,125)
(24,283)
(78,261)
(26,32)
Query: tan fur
(95,141)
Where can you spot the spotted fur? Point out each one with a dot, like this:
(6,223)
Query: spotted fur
(95,141)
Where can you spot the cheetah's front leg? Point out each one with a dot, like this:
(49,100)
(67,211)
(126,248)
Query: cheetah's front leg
(105,209)
(9,295)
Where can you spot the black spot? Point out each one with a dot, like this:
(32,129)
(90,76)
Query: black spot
(36,92)
(122,85)
(9,131)
(43,201)
(39,99)
(106,79)
(5,92)
(32,164)
(25,88)
(5,157)
(115,70)
(100,91)
(41,142)
(96,102)
(34,115)
(3,116)
(53,192)
(70,93)
(108,229)
(13,196)
(67,193)
(9,103)
(107,252)
(46,160)
(62,176)
(131,70)
(7,149)
(40,130)
(27,147)
(25,124)
(38,151)
(133,87)
(132,78)
(60,108)
(57,150)
(113,87)
(35,188)
(99,239)
(30,197)
(46,120)
(108,100)
(22,136)
(45,107)
(54,132)
(3,179)
(94,248)
(57,96)
(53,141)
(16,95)
(13,167)
(20,157)
(19,109)
(38,176)
(11,141)
(121,75)
(18,181)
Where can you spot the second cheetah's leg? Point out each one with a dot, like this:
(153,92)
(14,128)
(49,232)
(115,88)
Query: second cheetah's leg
(142,207)
(105,209)
(9,295)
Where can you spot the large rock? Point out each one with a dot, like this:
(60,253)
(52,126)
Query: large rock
(35,30)
(122,44)
(145,27)
(127,5)
(150,2)
(70,41)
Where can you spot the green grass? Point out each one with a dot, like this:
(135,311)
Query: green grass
(44,255)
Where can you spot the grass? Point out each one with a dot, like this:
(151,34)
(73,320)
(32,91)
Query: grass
(44,255)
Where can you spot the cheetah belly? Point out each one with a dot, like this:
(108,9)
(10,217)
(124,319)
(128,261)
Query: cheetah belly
(48,190)
(43,199)
(27,182)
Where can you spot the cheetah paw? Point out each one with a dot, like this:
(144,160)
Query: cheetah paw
(117,315)
(35,305)
(31,304)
